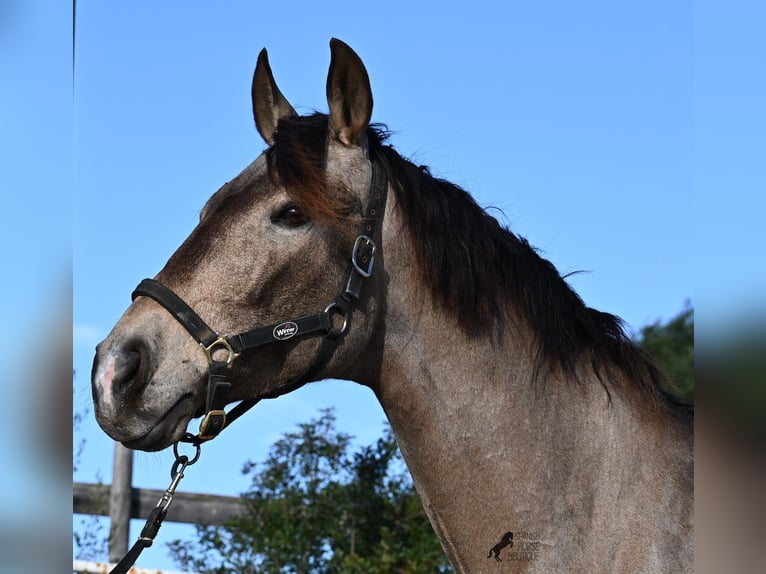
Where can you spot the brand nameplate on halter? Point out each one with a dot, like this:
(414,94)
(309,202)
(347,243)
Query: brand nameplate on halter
(285,331)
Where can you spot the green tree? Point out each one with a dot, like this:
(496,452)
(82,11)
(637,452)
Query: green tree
(672,346)
(314,506)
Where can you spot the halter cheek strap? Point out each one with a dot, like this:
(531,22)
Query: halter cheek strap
(222,350)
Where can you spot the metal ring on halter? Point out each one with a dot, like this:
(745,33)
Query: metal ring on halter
(220,344)
(334,306)
(196,454)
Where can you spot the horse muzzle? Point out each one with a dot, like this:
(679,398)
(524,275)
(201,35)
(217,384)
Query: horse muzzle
(131,403)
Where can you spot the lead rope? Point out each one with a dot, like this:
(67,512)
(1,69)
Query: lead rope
(159,512)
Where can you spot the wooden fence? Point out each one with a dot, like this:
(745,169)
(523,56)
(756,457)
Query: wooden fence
(121,502)
(187,507)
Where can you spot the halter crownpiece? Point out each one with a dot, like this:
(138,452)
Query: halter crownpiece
(222,350)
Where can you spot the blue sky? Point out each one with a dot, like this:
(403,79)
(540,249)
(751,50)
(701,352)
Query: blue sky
(624,139)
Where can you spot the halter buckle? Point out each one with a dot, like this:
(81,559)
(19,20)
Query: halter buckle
(220,344)
(212,424)
(367,247)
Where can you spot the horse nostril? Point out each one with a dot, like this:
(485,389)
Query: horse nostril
(126,370)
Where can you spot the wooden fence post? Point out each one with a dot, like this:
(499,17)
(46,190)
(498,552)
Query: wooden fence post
(119,502)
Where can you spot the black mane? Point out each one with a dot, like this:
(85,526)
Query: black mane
(475,268)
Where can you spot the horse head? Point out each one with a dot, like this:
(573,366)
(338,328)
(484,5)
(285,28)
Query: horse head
(271,247)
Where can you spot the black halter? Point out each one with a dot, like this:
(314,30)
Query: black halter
(222,349)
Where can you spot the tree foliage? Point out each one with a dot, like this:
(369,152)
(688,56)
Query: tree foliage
(672,346)
(316,506)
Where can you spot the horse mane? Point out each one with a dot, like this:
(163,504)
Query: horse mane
(475,268)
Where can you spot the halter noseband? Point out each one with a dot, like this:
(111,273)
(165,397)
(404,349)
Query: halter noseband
(222,350)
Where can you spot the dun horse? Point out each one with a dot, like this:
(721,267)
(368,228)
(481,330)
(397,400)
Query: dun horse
(533,428)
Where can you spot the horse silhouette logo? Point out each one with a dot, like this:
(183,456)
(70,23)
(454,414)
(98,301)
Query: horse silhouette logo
(505,541)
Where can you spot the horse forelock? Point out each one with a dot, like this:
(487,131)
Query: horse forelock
(297,161)
(475,268)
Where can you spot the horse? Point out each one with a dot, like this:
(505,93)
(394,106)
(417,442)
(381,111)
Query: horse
(522,414)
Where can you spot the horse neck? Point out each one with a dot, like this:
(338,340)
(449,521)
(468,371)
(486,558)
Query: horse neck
(491,450)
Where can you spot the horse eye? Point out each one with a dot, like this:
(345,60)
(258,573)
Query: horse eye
(290,216)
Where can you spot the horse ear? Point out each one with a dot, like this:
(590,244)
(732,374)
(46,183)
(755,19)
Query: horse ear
(348,94)
(269,105)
